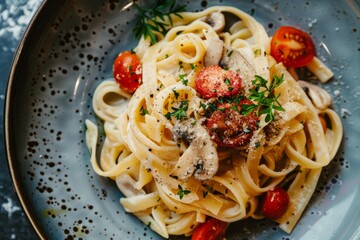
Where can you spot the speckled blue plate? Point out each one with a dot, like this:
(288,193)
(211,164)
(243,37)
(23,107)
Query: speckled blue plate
(69,49)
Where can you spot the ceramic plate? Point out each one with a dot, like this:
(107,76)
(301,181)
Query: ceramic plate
(69,49)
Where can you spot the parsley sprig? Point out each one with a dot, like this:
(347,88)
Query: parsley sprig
(153,20)
(264,97)
(182,192)
(183,79)
(179,112)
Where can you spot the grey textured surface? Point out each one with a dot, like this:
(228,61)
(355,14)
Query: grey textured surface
(14,18)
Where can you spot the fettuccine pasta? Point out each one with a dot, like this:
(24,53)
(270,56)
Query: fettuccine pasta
(142,154)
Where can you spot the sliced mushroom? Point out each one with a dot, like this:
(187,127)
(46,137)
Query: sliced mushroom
(233,60)
(216,20)
(214,52)
(126,185)
(318,96)
(200,158)
(275,130)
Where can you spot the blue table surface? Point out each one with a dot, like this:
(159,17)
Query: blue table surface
(15,16)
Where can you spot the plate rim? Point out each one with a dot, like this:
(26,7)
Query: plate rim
(8,138)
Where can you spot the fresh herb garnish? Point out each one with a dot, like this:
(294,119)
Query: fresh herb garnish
(212,106)
(143,111)
(156,20)
(193,66)
(183,79)
(228,83)
(182,192)
(264,97)
(179,112)
(176,94)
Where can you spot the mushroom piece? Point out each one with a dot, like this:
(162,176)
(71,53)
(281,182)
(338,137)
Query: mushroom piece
(214,52)
(318,96)
(234,60)
(200,158)
(126,185)
(216,20)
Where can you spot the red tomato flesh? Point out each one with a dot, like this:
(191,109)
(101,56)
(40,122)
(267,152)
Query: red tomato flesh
(228,127)
(275,203)
(127,71)
(293,47)
(212,229)
(213,81)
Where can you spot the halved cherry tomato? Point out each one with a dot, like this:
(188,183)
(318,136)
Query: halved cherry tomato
(293,47)
(127,71)
(213,81)
(275,203)
(212,229)
(228,127)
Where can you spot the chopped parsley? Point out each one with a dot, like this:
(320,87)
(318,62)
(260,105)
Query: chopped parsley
(179,112)
(176,94)
(183,79)
(228,83)
(193,66)
(143,111)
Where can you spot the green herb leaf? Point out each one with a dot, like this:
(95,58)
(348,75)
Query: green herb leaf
(176,94)
(179,112)
(156,20)
(183,79)
(264,97)
(182,192)
(227,81)
(143,111)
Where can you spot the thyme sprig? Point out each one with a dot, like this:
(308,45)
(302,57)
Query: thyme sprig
(154,20)
(264,97)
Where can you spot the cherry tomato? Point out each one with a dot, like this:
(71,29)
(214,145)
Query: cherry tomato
(213,81)
(228,127)
(212,229)
(275,203)
(127,71)
(292,47)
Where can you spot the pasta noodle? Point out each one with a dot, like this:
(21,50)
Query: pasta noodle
(141,155)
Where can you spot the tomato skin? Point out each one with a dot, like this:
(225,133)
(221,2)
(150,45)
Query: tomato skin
(127,71)
(229,128)
(213,81)
(275,203)
(301,51)
(211,229)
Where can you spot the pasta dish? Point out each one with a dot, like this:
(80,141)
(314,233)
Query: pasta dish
(216,123)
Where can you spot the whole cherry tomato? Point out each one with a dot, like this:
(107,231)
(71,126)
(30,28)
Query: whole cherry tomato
(127,71)
(212,229)
(275,203)
(293,47)
(213,81)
